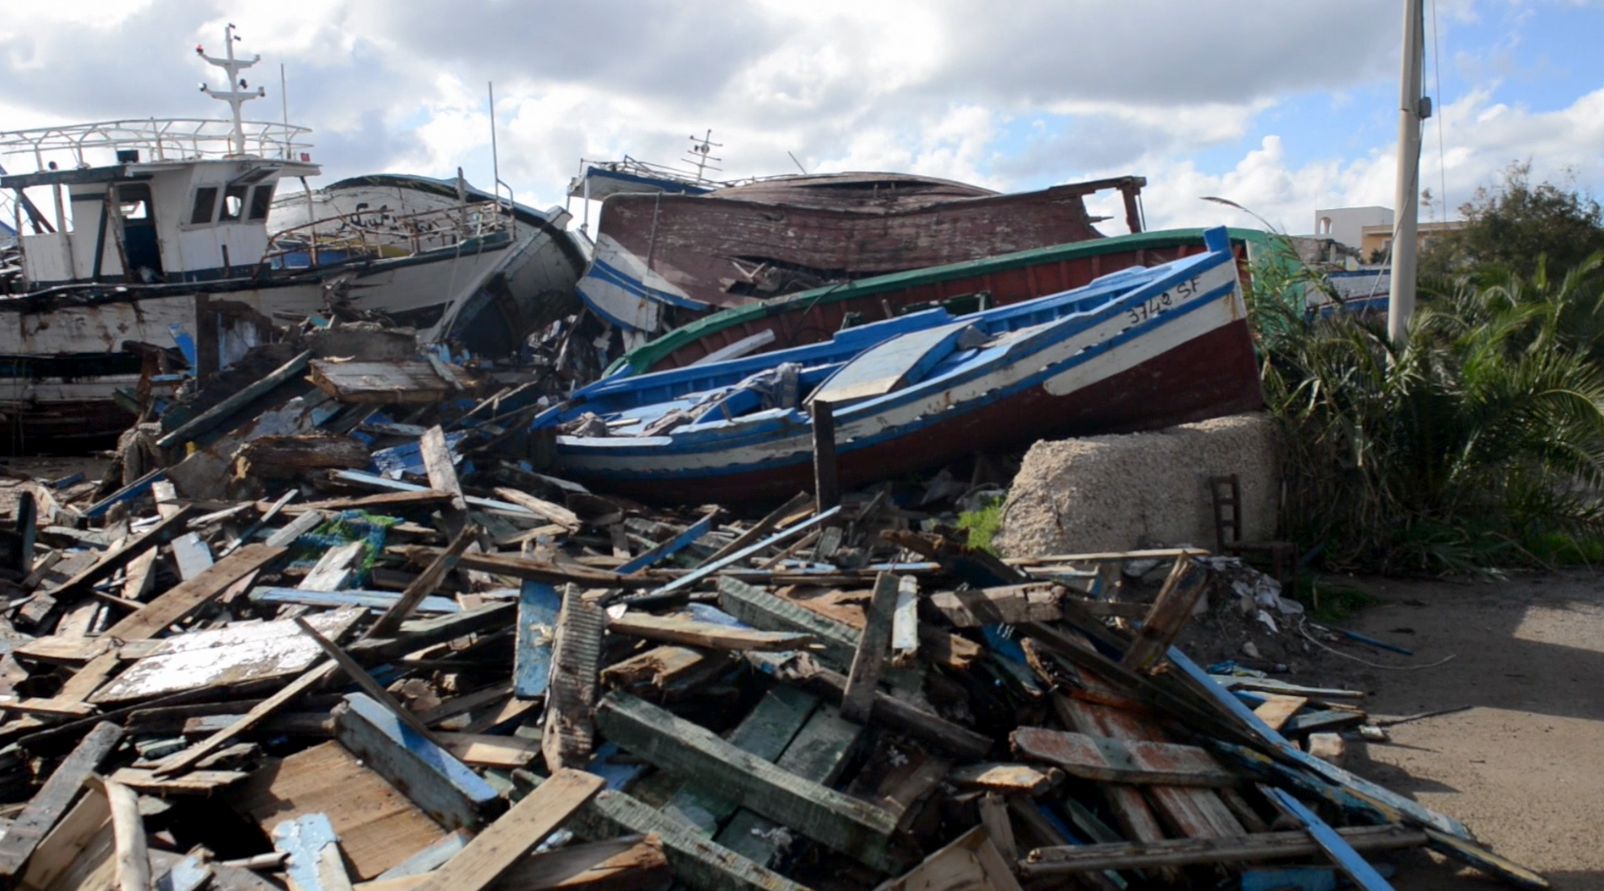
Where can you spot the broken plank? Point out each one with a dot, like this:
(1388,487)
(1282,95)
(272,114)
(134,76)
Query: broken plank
(207,420)
(1331,843)
(364,681)
(197,782)
(334,569)
(766,731)
(1170,612)
(1277,708)
(817,811)
(670,547)
(294,529)
(971,861)
(373,600)
(870,657)
(632,863)
(540,507)
(760,609)
(516,833)
(312,859)
(925,726)
(128,831)
(674,590)
(1011,779)
(539,606)
(705,634)
(186,598)
(568,737)
(762,527)
(54,797)
(994,819)
(1122,761)
(424,585)
(181,761)
(439,784)
(395,382)
(905,623)
(487,750)
(1188,851)
(121,555)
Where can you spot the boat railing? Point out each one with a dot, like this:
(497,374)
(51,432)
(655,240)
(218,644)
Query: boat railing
(380,233)
(159,139)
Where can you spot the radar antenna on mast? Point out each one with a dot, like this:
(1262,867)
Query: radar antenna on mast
(701,155)
(238,92)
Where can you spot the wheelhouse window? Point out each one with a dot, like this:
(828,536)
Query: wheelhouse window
(133,202)
(205,206)
(233,204)
(261,201)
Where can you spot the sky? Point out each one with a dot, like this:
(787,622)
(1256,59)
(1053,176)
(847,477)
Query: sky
(1281,106)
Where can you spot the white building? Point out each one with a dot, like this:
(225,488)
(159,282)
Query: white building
(1347,224)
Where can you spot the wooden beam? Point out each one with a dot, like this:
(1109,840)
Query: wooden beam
(673,590)
(1332,844)
(1188,851)
(705,634)
(568,735)
(128,829)
(761,528)
(439,784)
(1170,613)
(540,507)
(671,546)
(971,861)
(858,697)
(760,609)
(539,607)
(364,681)
(516,833)
(443,477)
(819,812)
(924,726)
(905,623)
(184,760)
(1277,708)
(208,420)
(424,585)
(186,598)
(826,484)
(54,797)
(1112,760)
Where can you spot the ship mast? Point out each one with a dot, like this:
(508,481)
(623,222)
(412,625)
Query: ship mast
(238,92)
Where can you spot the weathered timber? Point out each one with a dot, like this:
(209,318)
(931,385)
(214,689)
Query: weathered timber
(439,784)
(311,849)
(380,383)
(819,812)
(568,736)
(631,863)
(540,507)
(1331,843)
(198,782)
(209,419)
(186,598)
(679,587)
(826,485)
(359,675)
(52,800)
(422,586)
(905,623)
(1171,610)
(294,529)
(1122,761)
(870,657)
(539,606)
(671,546)
(516,833)
(910,719)
(705,634)
(760,609)
(1277,708)
(1011,779)
(1010,605)
(1188,851)
(373,600)
(334,568)
(164,531)
(188,758)
(442,472)
(994,819)
(971,861)
(487,750)
(797,503)
(766,732)
(128,831)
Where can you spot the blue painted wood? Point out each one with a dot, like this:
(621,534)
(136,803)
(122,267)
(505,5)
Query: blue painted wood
(1291,878)
(440,785)
(350,597)
(1335,846)
(187,874)
(302,840)
(133,490)
(692,578)
(373,481)
(538,607)
(669,548)
(1328,772)
(605,763)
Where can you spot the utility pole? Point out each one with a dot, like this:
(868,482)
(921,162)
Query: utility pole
(1412,109)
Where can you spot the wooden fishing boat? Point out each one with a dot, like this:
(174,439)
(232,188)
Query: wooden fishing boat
(1135,349)
(814,315)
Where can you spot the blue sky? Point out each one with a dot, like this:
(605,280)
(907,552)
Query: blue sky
(1281,106)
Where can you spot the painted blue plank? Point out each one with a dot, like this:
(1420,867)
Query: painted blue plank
(669,548)
(350,597)
(1329,772)
(303,841)
(1335,846)
(1290,878)
(440,785)
(618,774)
(378,482)
(129,492)
(538,606)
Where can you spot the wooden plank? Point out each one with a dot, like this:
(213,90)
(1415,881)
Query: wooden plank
(312,860)
(186,598)
(905,623)
(1011,779)
(869,659)
(442,472)
(1331,843)
(394,382)
(267,516)
(705,634)
(116,558)
(924,726)
(1043,862)
(128,831)
(761,528)
(372,600)
(568,736)
(760,609)
(184,760)
(439,784)
(516,833)
(129,492)
(826,482)
(198,782)
(138,576)
(1170,613)
(1277,708)
(817,811)
(674,589)
(970,861)
(209,419)
(334,569)
(1122,761)
(994,819)
(698,862)
(631,863)
(486,750)
(539,606)
(766,732)
(1008,605)
(364,681)
(424,585)
(294,529)
(671,546)
(54,797)
(82,843)
(540,507)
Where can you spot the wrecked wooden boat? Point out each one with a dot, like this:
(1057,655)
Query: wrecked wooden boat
(1135,349)
(663,259)
(157,262)
(814,315)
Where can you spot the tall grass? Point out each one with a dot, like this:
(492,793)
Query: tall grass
(1478,442)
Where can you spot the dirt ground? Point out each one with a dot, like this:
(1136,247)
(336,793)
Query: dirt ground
(1523,767)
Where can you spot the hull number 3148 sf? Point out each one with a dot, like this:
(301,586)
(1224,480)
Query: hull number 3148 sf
(1147,309)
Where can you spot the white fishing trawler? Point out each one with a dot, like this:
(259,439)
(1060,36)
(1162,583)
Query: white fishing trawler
(144,247)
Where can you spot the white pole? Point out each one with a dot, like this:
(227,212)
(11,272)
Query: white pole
(1406,198)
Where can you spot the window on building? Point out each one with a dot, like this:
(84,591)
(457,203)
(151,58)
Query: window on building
(233,203)
(261,201)
(205,206)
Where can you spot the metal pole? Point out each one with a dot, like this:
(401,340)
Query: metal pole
(495,162)
(1401,295)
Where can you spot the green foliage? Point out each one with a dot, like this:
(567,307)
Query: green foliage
(1482,434)
(1327,602)
(1514,227)
(982,525)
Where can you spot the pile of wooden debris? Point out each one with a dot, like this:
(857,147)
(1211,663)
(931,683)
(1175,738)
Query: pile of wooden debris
(447,671)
